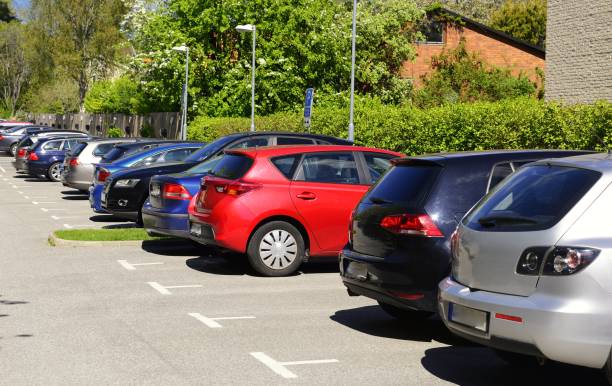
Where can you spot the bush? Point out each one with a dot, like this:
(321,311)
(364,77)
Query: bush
(114,132)
(520,123)
(147,131)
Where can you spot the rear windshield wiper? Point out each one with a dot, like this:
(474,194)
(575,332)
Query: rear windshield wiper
(378,200)
(491,221)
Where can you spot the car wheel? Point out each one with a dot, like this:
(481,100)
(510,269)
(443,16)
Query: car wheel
(402,314)
(13,149)
(54,173)
(276,249)
(608,369)
(519,360)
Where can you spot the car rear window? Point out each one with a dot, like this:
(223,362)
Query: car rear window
(78,149)
(535,198)
(405,184)
(102,149)
(114,154)
(232,166)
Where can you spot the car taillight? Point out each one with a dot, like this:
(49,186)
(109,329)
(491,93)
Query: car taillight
(32,157)
(568,260)
(74,162)
(1,137)
(191,209)
(176,192)
(454,244)
(236,188)
(21,153)
(103,174)
(411,224)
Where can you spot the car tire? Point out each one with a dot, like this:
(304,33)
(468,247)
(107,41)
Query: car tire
(13,149)
(402,314)
(608,369)
(276,249)
(54,172)
(519,360)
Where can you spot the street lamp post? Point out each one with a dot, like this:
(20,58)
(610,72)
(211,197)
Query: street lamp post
(351,133)
(184,49)
(253,29)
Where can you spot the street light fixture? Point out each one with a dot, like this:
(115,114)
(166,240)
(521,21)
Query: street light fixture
(184,49)
(243,28)
(351,133)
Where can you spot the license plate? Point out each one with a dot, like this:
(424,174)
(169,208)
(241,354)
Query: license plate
(103,197)
(196,230)
(468,317)
(357,271)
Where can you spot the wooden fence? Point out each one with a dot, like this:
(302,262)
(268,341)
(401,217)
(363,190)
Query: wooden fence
(164,125)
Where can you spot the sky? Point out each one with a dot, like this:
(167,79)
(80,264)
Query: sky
(20,4)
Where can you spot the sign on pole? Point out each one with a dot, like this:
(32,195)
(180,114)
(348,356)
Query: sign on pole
(308,106)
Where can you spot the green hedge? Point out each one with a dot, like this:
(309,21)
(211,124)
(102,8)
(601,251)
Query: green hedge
(523,123)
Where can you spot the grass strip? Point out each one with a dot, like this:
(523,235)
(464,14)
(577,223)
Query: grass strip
(122,234)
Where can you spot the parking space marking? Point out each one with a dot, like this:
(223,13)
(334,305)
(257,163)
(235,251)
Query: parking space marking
(280,367)
(132,266)
(164,289)
(64,217)
(43,202)
(57,210)
(3,169)
(68,226)
(212,322)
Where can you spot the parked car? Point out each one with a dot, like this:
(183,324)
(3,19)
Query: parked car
(78,168)
(281,205)
(46,156)
(25,144)
(149,154)
(170,217)
(4,125)
(532,266)
(399,248)
(10,138)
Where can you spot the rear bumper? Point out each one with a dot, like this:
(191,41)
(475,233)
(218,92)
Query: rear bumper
(20,165)
(169,224)
(558,328)
(375,278)
(36,169)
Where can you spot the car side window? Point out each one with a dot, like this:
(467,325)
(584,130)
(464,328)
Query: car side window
(177,155)
(333,168)
(52,145)
(287,164)
(251,142)
(293,141)
(499,172)
(69,144)
(377,164)
(149,160)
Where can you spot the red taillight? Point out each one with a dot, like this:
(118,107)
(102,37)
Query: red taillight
(74,162)
(21,153)
(408,296)
(411,224)
(234,188)
(176,192)
(103,174)
(32,157)
(1,137)
(191,209)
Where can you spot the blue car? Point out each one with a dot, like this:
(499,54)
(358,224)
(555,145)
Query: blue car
(46,157)
(165,211)
(153,153)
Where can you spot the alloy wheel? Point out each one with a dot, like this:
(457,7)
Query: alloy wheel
(55,172)
(278,249)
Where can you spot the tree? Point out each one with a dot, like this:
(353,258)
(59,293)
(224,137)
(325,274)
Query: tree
(15,67)
(6,14)
(478,10)
(82,36)
(523,19)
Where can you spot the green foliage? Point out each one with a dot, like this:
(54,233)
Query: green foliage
(478,10)
(114,132)
(6,14)
(117,96)
(460,76)
(520,123)
(147,131)
(57,96)
(523,19)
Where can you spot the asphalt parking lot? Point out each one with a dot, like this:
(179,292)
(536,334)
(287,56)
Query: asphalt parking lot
(170,313)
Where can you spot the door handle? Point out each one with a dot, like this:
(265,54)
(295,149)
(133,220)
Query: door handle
(307,196)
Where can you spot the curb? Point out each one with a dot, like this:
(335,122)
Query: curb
(55,241)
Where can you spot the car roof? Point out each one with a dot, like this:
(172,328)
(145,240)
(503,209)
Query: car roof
(451,157)
(272,151)
(294,134)
(145,142)
(601,162)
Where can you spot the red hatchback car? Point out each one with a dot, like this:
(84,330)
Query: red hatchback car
(280,205)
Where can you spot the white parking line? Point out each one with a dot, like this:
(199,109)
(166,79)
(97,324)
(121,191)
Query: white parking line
(280,367)
(164,289)
(132,266)
(64,217)
(68,226)
(56,210)
(43,202)
(212,322)
(3,169)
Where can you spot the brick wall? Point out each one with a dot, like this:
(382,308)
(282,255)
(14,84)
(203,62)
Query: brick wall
(492,50)
(579,51)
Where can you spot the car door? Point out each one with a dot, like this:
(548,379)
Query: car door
(326,188)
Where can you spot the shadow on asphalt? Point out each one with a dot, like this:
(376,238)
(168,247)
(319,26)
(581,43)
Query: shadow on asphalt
(172,247)
(479,366)
(372,320)
(125,225)
(106,218)
(74,193)
(75,198)
(21,176)
(30,179)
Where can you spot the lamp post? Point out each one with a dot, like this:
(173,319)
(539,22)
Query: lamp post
(184,49)
(253,29)
(351,133)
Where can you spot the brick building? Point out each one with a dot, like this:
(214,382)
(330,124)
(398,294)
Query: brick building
(493,46)
(579,48)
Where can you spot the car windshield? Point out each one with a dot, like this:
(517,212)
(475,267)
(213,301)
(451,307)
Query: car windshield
(204,167)
(535,198)
(210,149)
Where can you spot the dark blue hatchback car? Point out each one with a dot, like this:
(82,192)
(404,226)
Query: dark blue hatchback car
(46,157)
(400,233)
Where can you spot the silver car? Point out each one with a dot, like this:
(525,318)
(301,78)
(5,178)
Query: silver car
(78,166)
(532,265)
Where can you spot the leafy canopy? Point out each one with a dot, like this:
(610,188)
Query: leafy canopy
(523,19)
